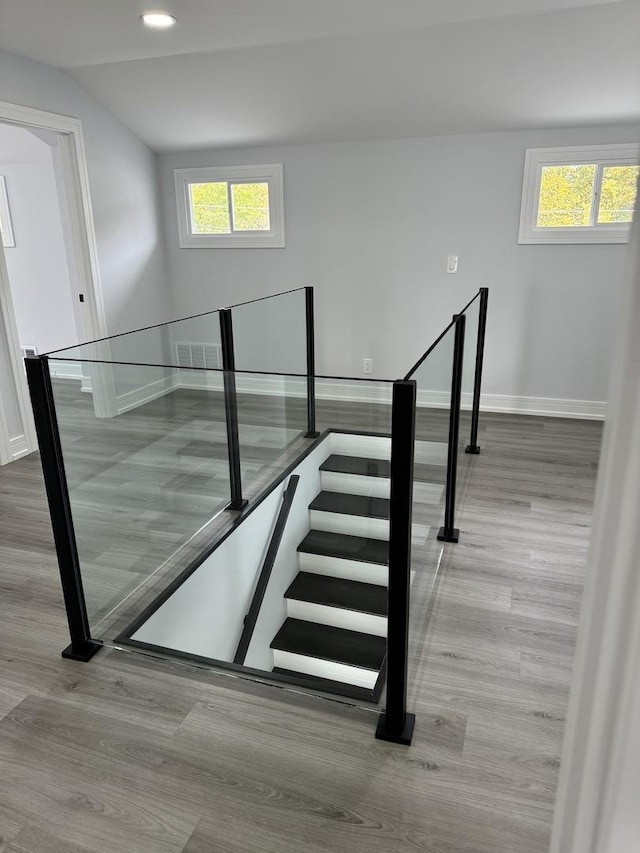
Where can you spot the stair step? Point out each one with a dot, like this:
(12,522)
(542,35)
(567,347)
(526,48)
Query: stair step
(363,467)
(351,648)
(344,504)
(326,685)
(345,547)
(340,593)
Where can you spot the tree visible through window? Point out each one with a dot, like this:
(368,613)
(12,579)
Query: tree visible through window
(221,208)
(618,193)
(568,195)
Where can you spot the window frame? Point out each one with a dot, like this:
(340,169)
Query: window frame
(618,154)
(269,173)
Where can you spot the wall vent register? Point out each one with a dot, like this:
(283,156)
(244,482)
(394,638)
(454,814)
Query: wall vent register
(194,355)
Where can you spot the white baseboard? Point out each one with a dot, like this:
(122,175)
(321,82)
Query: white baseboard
(550,407)
(65,369)
(543,406)
(145,394)
(18,447)
(365,392)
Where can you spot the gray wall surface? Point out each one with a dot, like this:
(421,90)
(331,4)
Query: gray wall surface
(370,226)
(123,182)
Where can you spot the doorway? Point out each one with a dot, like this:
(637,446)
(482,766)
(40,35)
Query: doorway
(50,293)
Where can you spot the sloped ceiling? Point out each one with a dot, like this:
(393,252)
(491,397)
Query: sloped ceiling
(247,72)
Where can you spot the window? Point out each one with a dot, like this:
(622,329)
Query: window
(579,195)
(230,206)
(6,228)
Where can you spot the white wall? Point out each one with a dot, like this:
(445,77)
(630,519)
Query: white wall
(122,175)
(370,224)
(37,264)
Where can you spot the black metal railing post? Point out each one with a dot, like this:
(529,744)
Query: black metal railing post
(473,446)
(82,647)
(231,410)
(395,724)
(449,532)
(311,365)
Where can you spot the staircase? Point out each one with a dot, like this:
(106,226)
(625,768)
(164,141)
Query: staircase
(334,636)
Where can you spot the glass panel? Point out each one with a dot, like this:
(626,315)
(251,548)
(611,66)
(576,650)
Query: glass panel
(271,334)
(272,420)
(433,379)
(209,205)
(190,343)
(250,203)
(618,194)
(566,196)
(147,473)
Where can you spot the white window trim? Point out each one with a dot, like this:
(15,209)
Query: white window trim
(270,173)
(536,158)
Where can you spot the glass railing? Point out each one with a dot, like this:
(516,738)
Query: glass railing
(199,471)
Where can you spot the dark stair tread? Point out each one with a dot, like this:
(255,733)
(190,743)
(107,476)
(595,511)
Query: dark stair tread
(338,592)
(361,505)
(311,639)
(357,465)
(327,685)
(345,547)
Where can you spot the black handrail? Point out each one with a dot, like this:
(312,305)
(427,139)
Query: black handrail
(265,573)
(449,532)
(396,724)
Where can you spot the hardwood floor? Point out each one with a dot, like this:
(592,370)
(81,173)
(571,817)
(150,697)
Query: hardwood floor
(127,753)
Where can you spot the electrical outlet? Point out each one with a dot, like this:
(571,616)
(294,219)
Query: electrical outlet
(367,365)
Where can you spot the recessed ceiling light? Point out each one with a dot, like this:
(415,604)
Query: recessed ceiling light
(159,20)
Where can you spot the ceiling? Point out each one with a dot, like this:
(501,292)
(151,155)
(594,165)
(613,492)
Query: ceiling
(256,72)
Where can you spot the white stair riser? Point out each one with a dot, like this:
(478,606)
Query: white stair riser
(367,446)
(361,525)
(379,447)
(322,668)
(351,570)
(355,484)
(338,617)
(377,487)
(351,525)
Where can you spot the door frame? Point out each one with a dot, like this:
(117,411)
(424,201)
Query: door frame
(78,224)
(599,788)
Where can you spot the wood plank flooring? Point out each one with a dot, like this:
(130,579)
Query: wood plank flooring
(128,753)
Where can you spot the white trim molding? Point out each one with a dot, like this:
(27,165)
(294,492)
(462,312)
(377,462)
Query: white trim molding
(6,225)
(599,789)
(78,224)
(550,407)
(18,447)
